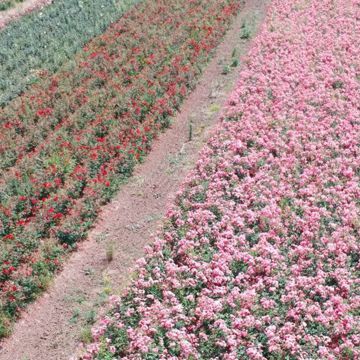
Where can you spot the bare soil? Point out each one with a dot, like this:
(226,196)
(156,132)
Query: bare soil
(52,327)
(21,9)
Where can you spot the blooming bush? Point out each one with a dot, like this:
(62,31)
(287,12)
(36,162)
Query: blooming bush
(260,255)
(68,143)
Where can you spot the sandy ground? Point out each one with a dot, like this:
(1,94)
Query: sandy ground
(21,9)
(52,327)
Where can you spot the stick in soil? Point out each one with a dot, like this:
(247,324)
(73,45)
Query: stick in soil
(110,251)
(190,130)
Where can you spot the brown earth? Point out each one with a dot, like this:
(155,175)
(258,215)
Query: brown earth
(21,9)
(52,327)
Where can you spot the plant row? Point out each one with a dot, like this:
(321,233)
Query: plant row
(8,4)
(260,255)
(79,133)
(47,38)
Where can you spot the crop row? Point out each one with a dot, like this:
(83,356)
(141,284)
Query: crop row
(47,38)
(79,133)
(260,257)
(8,4)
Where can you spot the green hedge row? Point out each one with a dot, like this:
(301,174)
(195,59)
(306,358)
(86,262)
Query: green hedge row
(47,38)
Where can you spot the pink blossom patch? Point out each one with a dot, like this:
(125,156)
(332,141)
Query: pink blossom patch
(261,260)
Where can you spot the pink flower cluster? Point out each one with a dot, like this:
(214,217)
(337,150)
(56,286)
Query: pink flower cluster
(261,257)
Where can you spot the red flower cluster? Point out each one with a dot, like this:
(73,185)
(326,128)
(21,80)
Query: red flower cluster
(44,112)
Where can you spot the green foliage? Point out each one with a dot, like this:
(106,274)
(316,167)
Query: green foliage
(156,291)
(47,38)
(238,266)
(245,31)
(348,353)
(338,84)
(86,336)
(69,237)
(7,4)
(4,326)
(90,317)
(252,238)
(225,70)
(119,339)
(315,328)
(209,349)
(234,63)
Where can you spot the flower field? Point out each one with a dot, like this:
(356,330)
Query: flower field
(47,38)
(259,257)
(68,142)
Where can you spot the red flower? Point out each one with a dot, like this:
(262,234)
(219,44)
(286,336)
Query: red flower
(56,262)
(58,182)
(93,55)
(8,271)
(9,237)
(44,112)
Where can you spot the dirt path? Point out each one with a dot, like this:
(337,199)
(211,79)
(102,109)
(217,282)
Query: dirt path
(52,327)
(21,9)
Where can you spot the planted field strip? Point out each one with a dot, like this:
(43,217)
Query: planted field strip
(8,4)
(79,133)
(20,9)
(260,255)
(47,38)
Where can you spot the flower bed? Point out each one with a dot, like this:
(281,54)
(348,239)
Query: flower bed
(69,142)
(46,38)
(260,257)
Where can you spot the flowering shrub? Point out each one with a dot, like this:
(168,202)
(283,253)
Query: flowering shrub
(260,257)
(68,143)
